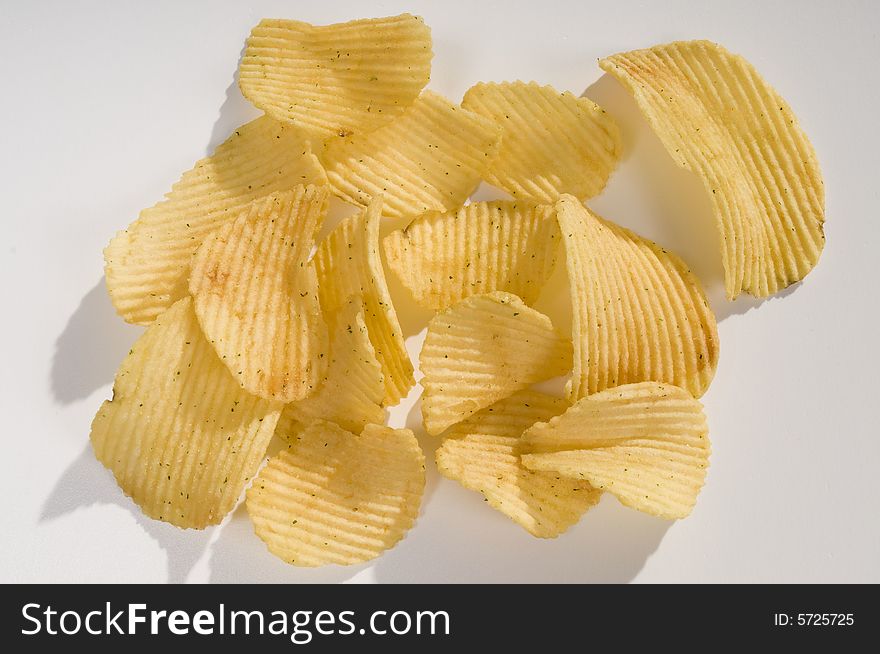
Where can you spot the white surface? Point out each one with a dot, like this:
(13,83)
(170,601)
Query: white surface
(105,104)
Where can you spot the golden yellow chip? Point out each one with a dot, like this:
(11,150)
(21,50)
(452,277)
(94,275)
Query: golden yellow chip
(639,314)
(336,80)
(429,159)
(180,435)
(147,265)
(353,387)
(552,142)
(443,258)
(256,297)
(646,443)
(335,497)
(483,349)
(718,118)
(483,452)
(348,264)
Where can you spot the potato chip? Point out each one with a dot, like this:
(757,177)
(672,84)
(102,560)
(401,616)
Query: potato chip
(348,264)
(147,265)
(552,142)
(639,314)
(646,443)
(429,159)
(335,497)
(336,80)
(443,258)
(256,297)
(717,117)
(483,349)
(483,452)
(353,387)
(180,435)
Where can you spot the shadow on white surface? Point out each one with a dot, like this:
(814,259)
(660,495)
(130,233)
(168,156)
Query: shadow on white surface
(428,444)
(89,350)
(459,540)
(86,483)
(234,112)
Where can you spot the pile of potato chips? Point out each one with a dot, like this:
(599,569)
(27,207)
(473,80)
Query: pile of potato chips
(256,330)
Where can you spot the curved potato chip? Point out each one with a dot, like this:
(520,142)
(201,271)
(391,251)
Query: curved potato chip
(717,117)
(483,452)
(552,142)
(256,297)
(639,314)
(336,80)
(180,435)
(338,498)
(147,265)
(646,443)
(353,386)
(443,258)
(429,159)
(348,264)
(483,349)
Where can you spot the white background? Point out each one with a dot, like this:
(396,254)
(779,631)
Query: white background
(104,104)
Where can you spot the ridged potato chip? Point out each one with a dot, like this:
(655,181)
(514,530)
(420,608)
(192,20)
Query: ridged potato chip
(639,314)
(348,264)
(443,258)
(552,142)
(256,297)
(147,265)
(353,387)
(646,443)
(335,497)
(336,80)
(483,349)
(717,117)
(483,452)
(180,435)
(429,159)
